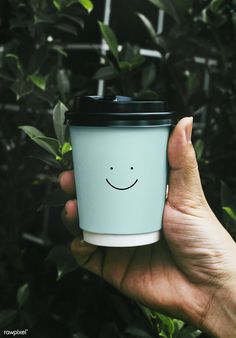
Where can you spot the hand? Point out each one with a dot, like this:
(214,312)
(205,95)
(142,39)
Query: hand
(185,272)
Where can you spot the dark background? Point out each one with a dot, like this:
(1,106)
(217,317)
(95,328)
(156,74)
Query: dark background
(81,305)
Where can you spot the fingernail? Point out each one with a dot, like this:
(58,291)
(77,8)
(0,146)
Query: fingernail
(188,129)
(67,206)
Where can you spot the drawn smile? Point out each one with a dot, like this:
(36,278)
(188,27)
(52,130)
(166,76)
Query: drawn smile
(121,188)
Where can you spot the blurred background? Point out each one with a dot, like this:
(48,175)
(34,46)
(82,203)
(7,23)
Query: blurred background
(179,51)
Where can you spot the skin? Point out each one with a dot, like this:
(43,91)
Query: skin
(191,272)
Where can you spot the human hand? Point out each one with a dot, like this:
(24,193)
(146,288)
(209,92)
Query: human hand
(191,268)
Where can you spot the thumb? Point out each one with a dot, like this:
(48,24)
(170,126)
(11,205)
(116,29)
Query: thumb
(184,181)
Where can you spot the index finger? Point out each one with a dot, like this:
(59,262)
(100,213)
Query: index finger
(67,182)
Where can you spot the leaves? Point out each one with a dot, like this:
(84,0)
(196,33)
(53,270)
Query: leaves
(199,148)
(147,23)
(67,28)
(106,73)
(66,148)
(230,212)
(15,59)
(38,81)
(22,294)
(7,316)
(50,144)
(87,4)
(167,326)
(21,88)
(175,8)
(135,62)
(58,121)
(189,332)
(31,131)
(57,4)
(226,196)
(63,82)
(60,50)
(110,38)
(168,6)
(62,257)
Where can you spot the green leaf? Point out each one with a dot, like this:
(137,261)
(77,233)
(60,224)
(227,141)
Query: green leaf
(168,6)
(60,50)
(87,4)
(147,23)
(38,81)
(21,88)
(67,28)
(22,294)
(51,145)
(189,332)
(63,82)
(31,131)
(66,148)
(178,325)
(74,18)
(230,212)
(47,159)
(16,60)
(7,316)
(226,196)
(135,62)
(57,4)
(58,121)
(199,148)
(168,324)
(106,73)
(62,257)
(110,38)
(215,5)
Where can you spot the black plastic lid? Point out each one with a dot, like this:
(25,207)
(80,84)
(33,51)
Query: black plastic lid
(118,111)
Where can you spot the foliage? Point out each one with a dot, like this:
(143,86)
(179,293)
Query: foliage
(60,147)
(34,67)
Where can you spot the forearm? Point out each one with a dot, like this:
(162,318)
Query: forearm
(220,320)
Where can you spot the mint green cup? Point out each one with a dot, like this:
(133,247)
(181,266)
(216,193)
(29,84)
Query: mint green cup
(119,148)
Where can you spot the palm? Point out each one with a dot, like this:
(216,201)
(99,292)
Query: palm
(149,273)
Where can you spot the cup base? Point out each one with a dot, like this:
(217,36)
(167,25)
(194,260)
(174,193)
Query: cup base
(121,240)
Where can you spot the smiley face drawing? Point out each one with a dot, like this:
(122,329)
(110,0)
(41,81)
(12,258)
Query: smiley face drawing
(119,188)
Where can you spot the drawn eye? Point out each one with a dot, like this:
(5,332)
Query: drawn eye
(131,168)
(111,168)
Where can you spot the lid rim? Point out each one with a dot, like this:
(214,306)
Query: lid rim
(118,110)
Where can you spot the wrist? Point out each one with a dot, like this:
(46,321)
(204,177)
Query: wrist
(220,317)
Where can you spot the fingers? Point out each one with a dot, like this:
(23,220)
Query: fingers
(67,182)
(184,179)
(69,214)
(70,217)
(87,255)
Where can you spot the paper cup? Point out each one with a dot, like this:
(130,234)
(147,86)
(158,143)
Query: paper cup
(119,148)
